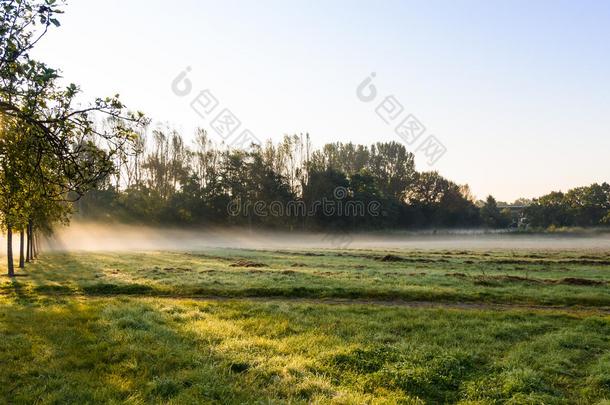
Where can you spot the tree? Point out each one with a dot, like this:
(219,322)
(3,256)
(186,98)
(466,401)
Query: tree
(549,210)
(26,202)
(491,215)
(29,92)
(52,150)
(589,205)
(14,158)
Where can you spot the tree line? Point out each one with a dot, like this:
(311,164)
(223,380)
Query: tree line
(163,180)
(579,207)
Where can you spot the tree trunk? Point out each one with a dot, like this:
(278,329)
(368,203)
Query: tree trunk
(32,241)
(21,247)
(28,248)
(9,251)
(36,246)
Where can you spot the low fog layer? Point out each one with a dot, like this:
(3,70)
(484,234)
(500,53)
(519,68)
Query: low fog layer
(96,237)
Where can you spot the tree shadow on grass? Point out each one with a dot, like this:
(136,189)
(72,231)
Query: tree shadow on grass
(18,290)
(141,350)
(75,274)
(97,351)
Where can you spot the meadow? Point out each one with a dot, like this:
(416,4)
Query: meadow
(310,326)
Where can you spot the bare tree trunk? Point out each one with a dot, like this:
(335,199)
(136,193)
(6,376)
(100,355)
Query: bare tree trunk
(31,241)
(9,251)
(21,247)
(28,248)
(35,245)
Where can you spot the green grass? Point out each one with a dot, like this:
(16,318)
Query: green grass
(151,350)
(136,328)
(544,278)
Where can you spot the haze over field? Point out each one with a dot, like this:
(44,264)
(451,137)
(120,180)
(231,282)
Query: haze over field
(104,237)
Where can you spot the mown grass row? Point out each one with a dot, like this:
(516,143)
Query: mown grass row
(552,278)
(580,300)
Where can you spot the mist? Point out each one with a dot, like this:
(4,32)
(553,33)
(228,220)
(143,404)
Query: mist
(118,237)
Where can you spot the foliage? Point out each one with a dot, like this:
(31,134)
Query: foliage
(166,181)
(491,215)
(579,207)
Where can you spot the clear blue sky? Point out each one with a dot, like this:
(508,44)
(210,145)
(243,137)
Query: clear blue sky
(518,91)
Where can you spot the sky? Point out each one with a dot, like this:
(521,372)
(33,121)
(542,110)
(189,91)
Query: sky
(518,92)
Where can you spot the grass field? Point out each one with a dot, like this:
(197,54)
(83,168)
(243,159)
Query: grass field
(353,326)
